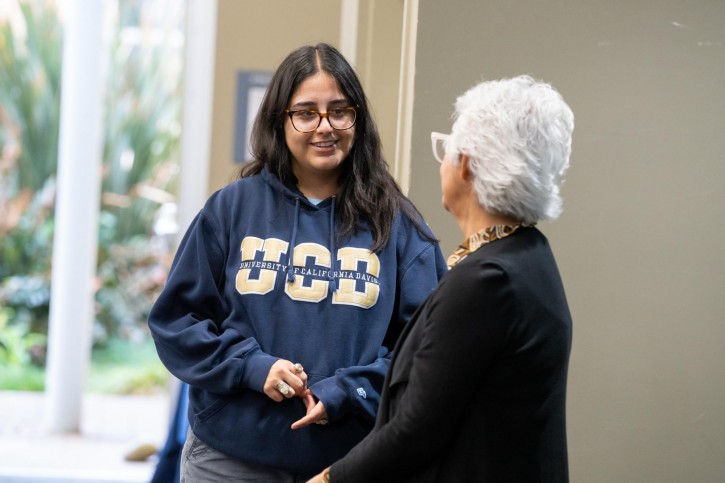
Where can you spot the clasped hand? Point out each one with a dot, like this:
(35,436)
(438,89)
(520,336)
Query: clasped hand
(286,380)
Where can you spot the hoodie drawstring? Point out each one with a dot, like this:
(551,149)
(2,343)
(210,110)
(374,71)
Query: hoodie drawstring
(292,244)
(331,276)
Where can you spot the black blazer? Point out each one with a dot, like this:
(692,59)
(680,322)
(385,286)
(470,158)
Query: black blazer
(476,388)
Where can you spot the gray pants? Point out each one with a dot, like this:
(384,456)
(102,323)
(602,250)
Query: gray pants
(201,463)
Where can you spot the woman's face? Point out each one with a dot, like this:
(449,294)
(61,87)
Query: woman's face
(318,154)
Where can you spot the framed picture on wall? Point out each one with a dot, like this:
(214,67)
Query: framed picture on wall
(251,86)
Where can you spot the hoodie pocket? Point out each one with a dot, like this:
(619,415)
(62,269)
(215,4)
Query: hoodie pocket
(215,405)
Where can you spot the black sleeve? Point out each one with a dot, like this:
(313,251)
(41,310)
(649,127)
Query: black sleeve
(464,327)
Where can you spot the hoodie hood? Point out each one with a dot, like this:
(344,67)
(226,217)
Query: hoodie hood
(299,198)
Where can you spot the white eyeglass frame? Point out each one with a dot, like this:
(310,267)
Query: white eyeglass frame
(436,137)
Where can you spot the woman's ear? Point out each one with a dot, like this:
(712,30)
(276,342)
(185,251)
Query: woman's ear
(464,170)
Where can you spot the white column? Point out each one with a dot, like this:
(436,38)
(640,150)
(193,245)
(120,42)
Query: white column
(406,97)
(349,20)
(201,21)
(76,216)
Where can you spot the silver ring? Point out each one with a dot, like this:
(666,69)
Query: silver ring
(297,368)
(283,387)
(322,422)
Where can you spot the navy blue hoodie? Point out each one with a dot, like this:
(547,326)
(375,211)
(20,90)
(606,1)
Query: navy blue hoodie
(259,276)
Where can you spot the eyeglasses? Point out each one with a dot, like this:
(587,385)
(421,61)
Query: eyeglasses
(438,143)
(308,120)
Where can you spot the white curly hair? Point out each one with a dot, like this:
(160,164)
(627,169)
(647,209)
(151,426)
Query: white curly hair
(517,135)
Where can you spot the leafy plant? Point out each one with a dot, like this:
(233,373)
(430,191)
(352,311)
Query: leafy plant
(30,69)
(30,54)
(127,367)
(131,277)
(17,342)
(142,110)
(142,126)
(26,242)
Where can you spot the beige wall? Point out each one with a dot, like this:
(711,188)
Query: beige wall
(253,35)
(640,241)
(378,63)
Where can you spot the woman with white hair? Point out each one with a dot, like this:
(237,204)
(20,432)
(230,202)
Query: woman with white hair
(476,388)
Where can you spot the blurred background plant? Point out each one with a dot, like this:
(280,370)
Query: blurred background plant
(140,166)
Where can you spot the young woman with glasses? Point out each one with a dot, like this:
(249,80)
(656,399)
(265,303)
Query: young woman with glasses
(292,285)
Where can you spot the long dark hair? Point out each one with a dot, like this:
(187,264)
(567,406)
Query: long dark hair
(367,190)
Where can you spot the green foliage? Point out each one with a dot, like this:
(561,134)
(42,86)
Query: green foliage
(17,342)
(22,378)
(143,102)
(127,367)
(30,68)
(120,367)
(142,138)
(131,277)
(26,242)
(29,114)
(142,110)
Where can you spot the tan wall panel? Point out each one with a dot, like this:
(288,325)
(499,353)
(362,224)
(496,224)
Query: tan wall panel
(378,64)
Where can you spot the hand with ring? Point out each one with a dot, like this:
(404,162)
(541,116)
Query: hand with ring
(285,380)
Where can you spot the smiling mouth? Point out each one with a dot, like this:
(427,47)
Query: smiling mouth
(324,144)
